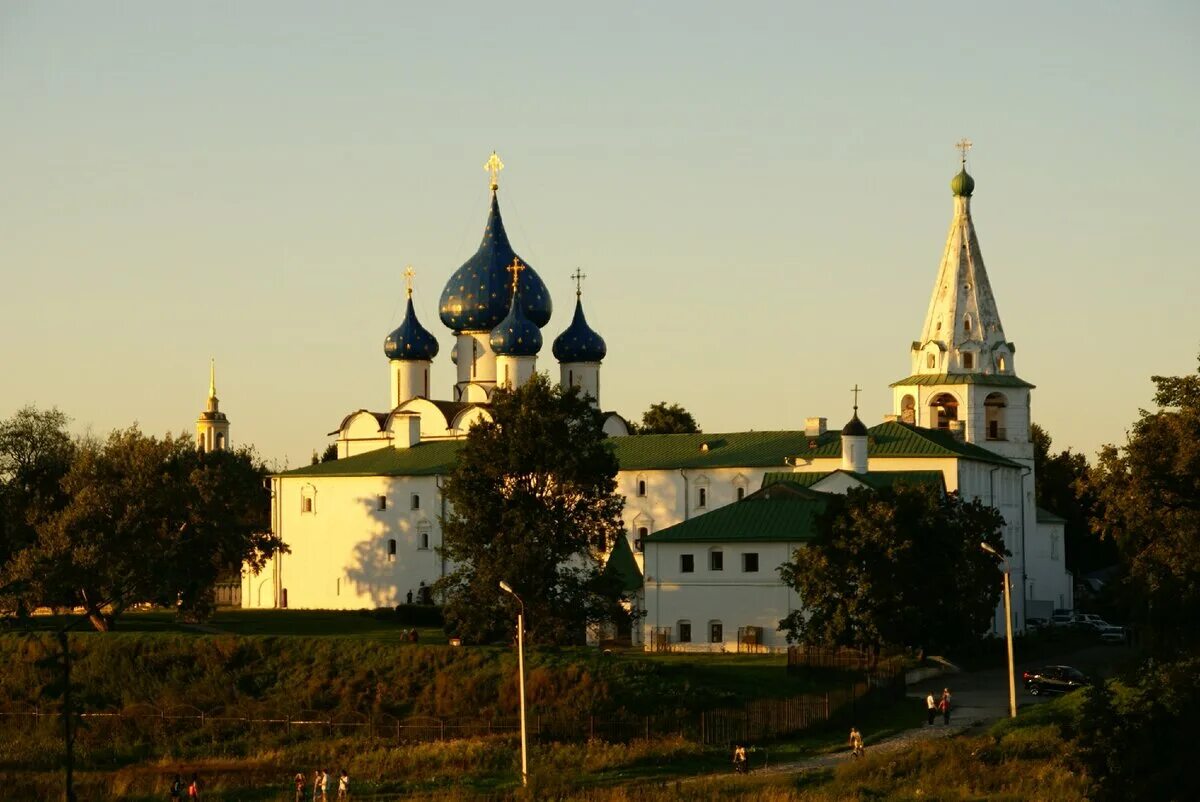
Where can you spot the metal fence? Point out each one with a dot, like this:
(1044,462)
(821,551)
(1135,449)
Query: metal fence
(842,659)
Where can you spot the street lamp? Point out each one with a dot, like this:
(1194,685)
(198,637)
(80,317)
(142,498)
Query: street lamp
(1012,677)
(507,588)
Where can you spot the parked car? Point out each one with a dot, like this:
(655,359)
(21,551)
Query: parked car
(1035,624)
(1062,618)
(1053,679)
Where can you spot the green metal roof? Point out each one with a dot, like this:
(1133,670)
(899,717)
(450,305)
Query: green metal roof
(896,440)
(781,519)
(730,450)
(423,459)
(622,565)
(875,479)
(1044,516)
(987,379)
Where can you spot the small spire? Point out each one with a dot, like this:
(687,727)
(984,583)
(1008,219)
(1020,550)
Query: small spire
(408,278)
(856,390)
(212,378)
(515,268)
(493,168)
(579,276)
(963,146)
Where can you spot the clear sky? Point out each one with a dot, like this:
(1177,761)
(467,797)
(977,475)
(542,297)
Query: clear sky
(757,192)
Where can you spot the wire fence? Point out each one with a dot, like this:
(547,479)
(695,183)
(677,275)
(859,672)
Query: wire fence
(755,721)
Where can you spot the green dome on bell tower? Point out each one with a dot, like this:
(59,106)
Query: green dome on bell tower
(962,185)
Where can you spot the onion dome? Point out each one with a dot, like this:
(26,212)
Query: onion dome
(476,297)
(962,185)
(411,341)
(579,343)
(516,335)
(855,428)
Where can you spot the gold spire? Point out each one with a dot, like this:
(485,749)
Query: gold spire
(515,268)
(579,276)
(408,278)
(493,167)
(212,378)
(963,146)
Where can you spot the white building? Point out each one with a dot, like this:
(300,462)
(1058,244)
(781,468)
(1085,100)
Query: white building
(364,529)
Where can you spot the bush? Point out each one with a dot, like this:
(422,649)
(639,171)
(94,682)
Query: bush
(414,615)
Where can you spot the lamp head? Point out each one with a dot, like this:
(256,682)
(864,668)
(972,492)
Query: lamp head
(504,586)
(988,549)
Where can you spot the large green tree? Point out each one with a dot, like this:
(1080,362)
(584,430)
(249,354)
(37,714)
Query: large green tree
(1148,503)
(532,503)
(147,520)
(896,567)
(1064,488)
(664,418)
(35,455)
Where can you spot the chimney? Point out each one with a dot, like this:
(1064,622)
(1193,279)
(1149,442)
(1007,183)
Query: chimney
(958,428)
(406,429)
(815,427)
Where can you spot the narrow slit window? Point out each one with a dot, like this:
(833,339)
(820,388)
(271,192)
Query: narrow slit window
(383,502)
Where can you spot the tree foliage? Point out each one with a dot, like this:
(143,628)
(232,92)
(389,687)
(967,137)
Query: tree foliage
(896,567)
(663,418)
(1064,488)
(35,455)
(146,520)
(1148,503)
(533,504)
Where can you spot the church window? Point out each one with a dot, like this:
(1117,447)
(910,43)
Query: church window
(391,551)
(1054,547)
(641,488)
(383,502)
(640,543)
(338,586)
(945,409)
(1001,363)
(967,325)
(570,378)
(423,535)
(716,632)
(716,560)
(930,361)
(220,441)
(426,382)
(685,631)
(968,361)
(200,442)
(416,501)
(741,493)
(687,563)
(306,505)
(938,328)
(750,562)
(702,497)
(994,408)
(908,410)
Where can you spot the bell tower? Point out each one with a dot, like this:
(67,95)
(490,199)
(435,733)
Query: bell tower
(212,427)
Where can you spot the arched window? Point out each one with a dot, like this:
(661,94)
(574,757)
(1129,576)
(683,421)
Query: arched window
(908,410)
(994,407)
(391,550)
(968,361)
(944,408)
(930,361)
(220,441)
(641,486)
(639,543)
(1001,363)
(967,324)
(741,493)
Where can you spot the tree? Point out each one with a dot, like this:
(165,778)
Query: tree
(662,418)
(533,504)
(1063,488)
(147,520)
(896,567)
(35,454)
(1148,504)
(329,454)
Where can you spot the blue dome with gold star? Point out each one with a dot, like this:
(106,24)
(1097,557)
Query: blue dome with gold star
(516,335)
(579,343)
(411,340)
(476,297)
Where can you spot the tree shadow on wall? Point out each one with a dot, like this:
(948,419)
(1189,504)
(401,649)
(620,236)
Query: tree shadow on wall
(385,565)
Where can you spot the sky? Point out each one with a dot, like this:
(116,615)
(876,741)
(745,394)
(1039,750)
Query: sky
(758,194)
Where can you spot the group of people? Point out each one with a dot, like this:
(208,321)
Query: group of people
(935,706)
(320,786)
(178,788)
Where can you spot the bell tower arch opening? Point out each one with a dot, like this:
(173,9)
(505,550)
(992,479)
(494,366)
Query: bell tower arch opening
(944,409)
(994,409)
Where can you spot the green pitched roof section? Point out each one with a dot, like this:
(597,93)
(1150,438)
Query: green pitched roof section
(875,479)
(423,459)
(986,379)
(776,520)
(622,565)
(735,449)
(1044,516)
(895,439)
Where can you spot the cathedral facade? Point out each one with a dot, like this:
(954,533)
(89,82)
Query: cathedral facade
(699,554)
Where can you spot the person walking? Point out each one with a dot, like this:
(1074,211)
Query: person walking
(324,783)
(856,742)
(194,788)
(177,788)
(316,785)
(739,759)
(944,706)
(932,707)
(299,779)
(343,786)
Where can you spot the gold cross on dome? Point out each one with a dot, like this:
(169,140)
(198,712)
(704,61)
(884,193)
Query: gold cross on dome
(856,390)
(408,278)
(515,268)
(579,276)
(963,145)
(493,167)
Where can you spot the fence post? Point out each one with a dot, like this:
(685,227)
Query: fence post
(827,705)
(441,729)
(591,727)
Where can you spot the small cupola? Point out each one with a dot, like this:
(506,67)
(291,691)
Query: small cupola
(411,340)
(854,441)
(516,334)
(579,343)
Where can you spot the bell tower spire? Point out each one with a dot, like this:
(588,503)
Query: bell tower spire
(212,427)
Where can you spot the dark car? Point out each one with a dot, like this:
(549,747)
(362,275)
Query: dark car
(1053,679)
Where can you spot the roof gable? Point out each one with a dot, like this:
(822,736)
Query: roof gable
(763,520)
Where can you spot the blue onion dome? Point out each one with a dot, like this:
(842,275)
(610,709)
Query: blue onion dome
(411,341)
(962,185)
(579,343)
(476,296)
(516,335)
(855,428)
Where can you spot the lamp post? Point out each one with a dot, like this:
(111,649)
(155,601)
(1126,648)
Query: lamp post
(1012,677)
(504,586)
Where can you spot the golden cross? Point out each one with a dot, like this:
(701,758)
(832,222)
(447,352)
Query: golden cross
(963,145)
(856,390)
(408,278)
(494,166)
(515,268)
(579,276)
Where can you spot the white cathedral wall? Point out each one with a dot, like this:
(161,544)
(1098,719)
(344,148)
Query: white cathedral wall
(731,596)
(1048,583)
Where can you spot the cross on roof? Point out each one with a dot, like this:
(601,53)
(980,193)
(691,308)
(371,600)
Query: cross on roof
(493,167)
(579,276)
(856,390)
(963,145)
(515,268)
(408,278)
